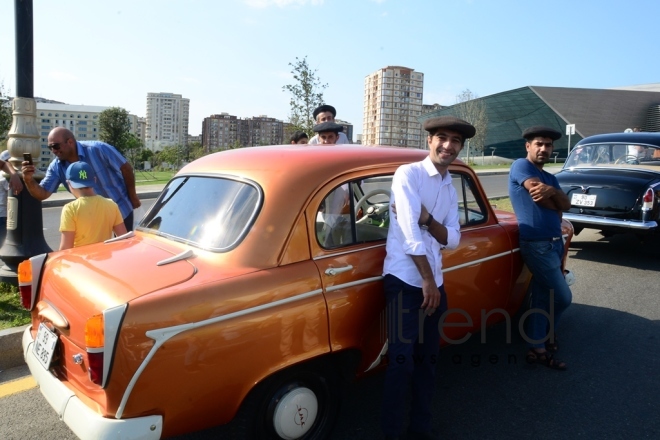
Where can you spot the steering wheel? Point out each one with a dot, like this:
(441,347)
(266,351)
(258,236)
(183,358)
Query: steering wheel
(626,158)
(366,197)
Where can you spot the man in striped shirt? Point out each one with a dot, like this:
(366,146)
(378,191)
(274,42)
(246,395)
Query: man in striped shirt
(115,179)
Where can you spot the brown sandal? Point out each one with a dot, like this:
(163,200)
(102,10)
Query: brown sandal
(552,347)
(544,358)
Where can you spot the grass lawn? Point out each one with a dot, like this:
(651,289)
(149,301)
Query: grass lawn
(152,177)
(146,178)
(12,313)
(504,204)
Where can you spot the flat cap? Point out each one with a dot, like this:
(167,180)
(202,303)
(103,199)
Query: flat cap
(324,108)
(541,131)
(328,126)
(466,129)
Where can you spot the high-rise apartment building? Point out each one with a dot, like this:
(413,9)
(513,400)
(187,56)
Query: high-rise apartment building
(82,120)
(392,102)
(348,129)
(223,131)
(167,120)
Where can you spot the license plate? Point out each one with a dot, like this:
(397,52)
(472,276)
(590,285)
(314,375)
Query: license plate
(44,346)
(583,200)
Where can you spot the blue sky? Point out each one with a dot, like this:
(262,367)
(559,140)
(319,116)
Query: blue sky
(233,55)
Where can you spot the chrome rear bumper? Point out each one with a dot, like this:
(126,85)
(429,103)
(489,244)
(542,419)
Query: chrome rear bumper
(81,419)
(609,222)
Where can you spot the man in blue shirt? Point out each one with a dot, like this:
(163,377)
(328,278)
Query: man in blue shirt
(538,202)
(115,179)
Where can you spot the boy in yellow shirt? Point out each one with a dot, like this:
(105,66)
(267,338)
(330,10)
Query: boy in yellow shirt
(90,218)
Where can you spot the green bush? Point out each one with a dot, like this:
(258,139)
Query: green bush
(12,313)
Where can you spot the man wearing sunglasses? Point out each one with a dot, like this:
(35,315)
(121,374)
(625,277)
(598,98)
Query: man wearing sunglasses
(114,175)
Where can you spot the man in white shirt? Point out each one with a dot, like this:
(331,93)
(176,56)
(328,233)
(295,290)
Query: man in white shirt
(425,222)
(327,113)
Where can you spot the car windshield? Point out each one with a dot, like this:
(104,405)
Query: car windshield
(209,212)
(613,154)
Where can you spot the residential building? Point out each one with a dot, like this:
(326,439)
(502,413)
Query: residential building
(392,103)
(82,120)
(220,132)
(194,139)
(348,129)
(166,120)
(592,111)
(263,130)
(224,131)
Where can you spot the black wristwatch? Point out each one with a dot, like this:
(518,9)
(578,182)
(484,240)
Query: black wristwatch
(428,222)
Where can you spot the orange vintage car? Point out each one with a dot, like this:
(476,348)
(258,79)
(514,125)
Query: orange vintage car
(246,292)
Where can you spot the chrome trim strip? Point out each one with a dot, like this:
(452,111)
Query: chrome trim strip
(378,359)
(112,318)
(351,251)
(180,256)
(129,234)
(353,283)
(37,263)
(605,221)
(160,336)
(481,260)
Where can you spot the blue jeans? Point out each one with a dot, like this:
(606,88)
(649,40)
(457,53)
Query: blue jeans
(412,357)
(543,258)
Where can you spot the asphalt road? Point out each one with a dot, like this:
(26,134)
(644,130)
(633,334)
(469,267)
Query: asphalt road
(609,338)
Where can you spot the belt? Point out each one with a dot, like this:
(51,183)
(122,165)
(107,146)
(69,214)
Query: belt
(541,239)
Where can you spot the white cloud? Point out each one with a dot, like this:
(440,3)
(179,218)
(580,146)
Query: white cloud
(62,76)
(260,4)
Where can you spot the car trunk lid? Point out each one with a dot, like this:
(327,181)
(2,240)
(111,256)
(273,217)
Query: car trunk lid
(596,192)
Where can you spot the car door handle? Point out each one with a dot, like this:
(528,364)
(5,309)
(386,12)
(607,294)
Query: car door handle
(337,270)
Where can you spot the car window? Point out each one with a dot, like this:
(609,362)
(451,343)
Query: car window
(358,211)
(355,212)
(209,212)
(471,209)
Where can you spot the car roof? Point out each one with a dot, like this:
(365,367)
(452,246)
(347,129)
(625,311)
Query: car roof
(308,164)
(289,175)
(634,138)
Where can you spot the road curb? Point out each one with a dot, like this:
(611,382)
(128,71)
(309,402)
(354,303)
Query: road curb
(11,352)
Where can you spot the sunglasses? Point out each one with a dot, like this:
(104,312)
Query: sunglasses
(55,146)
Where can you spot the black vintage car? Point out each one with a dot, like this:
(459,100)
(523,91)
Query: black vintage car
(613,182)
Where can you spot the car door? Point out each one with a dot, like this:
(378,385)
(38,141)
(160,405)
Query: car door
(478,273)
(348,220)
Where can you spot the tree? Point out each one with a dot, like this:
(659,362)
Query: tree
(133,150)
(195,151)
(306,95)
(473,110)
(115,127)
(5,114)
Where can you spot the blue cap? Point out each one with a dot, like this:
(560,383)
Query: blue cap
(80,175)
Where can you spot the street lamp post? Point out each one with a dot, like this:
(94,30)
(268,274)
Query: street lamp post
(25,236)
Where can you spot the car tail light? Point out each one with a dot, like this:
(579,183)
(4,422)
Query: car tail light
(25,283)
(28,279)
(95,341)
(648,200)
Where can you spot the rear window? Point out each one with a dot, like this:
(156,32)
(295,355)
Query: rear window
(209,212)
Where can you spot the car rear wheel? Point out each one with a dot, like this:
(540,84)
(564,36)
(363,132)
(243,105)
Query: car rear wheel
(298,404)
